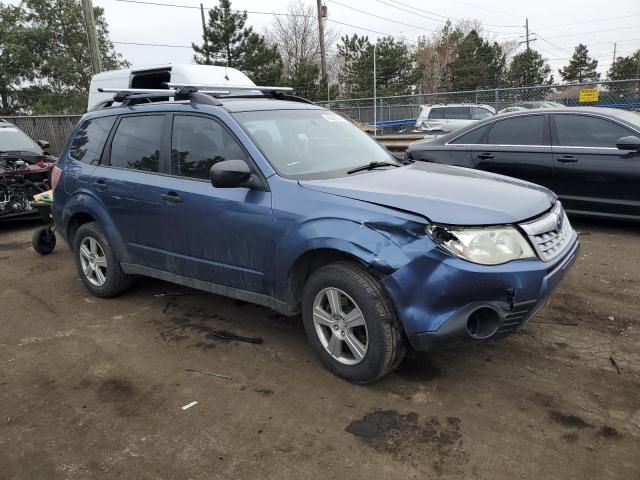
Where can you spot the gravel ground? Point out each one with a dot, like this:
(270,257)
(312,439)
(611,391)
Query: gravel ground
(93,388)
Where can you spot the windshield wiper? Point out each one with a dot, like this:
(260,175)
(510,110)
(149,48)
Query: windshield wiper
(371,166)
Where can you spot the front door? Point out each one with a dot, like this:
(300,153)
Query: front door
(590,173)
(219,235)
(517,147)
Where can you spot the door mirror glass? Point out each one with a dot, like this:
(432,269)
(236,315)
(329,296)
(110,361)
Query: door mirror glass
(628,143)
(230,174)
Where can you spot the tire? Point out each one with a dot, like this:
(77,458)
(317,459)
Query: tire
(380,333)
(43,241)
(111,281)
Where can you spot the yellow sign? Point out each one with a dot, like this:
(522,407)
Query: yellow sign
(589,95)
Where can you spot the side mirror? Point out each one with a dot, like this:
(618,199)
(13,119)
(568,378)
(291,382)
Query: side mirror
(44,145)
(628,143)
(231,174)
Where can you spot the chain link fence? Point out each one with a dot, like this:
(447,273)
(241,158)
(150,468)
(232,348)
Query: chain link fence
(53,128)
(440,113)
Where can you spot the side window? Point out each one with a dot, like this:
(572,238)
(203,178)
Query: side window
(480,113)
(474,137)
(197,143)
(527,130)
(585,131)
(136,143)
(437,113)
(459,113)
(89,141)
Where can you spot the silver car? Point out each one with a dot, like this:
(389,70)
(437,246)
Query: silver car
(451,117)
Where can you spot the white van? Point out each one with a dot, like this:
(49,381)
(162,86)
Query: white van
(156,77)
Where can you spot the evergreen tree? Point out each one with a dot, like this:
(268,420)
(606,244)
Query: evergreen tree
(479,64)
(581,67)
(625,67)
(528,68)
(227,41)
(394,66)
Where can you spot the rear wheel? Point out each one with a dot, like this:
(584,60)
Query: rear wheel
(351,323)
(43,241)
(97,264)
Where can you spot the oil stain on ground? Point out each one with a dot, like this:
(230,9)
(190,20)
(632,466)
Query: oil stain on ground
(402,435)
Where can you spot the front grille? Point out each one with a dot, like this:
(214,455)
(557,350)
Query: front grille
(551,234)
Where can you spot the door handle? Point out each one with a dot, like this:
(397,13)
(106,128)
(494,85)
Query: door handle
(567,159)
(100,184)
(485,156)
(172,197)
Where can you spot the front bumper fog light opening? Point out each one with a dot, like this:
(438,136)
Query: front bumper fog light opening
(483,323)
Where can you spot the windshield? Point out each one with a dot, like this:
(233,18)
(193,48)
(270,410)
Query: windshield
(12,139)
(306,144)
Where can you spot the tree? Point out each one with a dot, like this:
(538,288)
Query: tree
(64,73)
(394,62)
(581,67)
(479,64)
(625,67)
(528,68)
(226,41)
(20,49)
(434,57)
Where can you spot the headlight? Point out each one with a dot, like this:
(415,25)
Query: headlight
(487,246)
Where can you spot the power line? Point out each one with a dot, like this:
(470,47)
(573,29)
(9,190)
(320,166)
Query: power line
(382,18)
(152,44)
(158,4)
(589,21)
(594,31)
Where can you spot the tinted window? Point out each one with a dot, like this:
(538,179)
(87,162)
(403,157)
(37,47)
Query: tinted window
(480,113)
(88,144)
(518,131)
(197,143)
(583,131)
(136,143)
(450,113)
(473,137)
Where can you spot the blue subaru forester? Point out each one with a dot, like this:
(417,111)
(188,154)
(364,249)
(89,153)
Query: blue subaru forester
(276,201)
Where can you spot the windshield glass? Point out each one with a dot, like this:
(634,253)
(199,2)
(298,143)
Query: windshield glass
(12,139)
(305,144)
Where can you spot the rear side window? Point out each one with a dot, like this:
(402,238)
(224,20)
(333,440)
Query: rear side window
(197,143)
(474,137)
(450,113)
(136,143)
(585,131)
(88,143)
(527,130)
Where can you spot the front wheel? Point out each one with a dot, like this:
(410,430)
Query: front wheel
(351,323)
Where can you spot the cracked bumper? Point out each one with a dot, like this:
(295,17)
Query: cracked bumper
(435,294)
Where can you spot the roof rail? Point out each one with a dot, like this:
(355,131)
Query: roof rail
(259,88)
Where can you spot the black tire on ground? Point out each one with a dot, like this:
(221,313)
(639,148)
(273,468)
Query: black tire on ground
(386,346)
(43,241)
(117,281)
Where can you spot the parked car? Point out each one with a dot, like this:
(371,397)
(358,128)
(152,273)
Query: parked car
(24,171)
(589,156)
(276,201)
(448,118)
(531,105)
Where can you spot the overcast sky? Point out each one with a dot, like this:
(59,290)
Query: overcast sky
(558,25)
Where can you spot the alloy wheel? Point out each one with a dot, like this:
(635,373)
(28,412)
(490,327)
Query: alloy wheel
(340,326)
(93,261)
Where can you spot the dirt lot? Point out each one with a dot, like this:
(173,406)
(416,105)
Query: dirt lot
(94,388)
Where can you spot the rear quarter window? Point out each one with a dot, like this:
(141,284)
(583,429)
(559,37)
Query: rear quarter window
(89,141)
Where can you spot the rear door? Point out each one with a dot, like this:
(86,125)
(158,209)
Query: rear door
(132,187)
(590,173)
(519,147)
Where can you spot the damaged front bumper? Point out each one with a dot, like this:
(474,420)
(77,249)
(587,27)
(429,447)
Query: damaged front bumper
(445,301)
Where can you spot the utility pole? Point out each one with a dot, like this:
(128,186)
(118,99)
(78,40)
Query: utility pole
(323,58)
(204,36)
(92,36)
(526,26)
(375,92)
(613,64)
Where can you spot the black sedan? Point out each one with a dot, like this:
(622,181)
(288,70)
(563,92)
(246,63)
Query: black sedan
(589,156)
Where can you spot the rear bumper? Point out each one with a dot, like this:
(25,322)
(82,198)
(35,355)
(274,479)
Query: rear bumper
(438,298)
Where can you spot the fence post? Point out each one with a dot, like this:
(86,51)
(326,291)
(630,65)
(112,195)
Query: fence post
(497,95)
(381,115)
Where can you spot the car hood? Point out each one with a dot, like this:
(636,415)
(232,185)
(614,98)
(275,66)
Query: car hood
(444,194)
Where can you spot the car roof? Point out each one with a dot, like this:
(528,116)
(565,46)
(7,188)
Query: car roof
(443,105)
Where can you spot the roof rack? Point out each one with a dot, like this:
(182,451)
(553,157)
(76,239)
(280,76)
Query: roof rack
(196,93)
